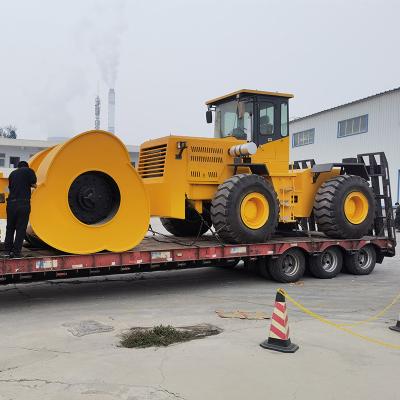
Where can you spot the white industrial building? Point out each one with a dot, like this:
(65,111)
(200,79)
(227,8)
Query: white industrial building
(367,125)
(14,150)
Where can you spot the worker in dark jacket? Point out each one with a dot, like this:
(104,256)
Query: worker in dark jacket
(20,183)
(397,217)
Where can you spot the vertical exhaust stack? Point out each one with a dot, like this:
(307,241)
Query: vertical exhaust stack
(111,110)
(97,113)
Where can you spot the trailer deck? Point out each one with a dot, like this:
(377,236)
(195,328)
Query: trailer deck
(161,252)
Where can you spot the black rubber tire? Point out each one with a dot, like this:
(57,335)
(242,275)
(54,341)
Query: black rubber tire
(255,266)
(328,264)
(227,264)
(263,268)
(191,226)
(329,207)
(225,209)
(361,262)
(280,267)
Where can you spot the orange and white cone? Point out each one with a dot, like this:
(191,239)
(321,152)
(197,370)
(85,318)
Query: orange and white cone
(278,338)
(397,326)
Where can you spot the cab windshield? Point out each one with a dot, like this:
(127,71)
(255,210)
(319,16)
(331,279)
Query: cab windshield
(234,119)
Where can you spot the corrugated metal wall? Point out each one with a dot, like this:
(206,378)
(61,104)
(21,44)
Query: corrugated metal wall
(383,134)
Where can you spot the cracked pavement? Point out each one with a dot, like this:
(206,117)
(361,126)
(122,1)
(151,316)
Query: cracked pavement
(41,359)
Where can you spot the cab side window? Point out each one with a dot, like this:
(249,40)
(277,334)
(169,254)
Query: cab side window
(266,119)
(284,119)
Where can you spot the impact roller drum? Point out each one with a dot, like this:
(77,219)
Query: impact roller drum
(89,197)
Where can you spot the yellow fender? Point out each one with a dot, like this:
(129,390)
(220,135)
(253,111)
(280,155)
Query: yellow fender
(89,197)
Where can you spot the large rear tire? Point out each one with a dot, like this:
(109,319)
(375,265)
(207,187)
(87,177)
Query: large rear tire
(245,209)
(344,207)
(192,225)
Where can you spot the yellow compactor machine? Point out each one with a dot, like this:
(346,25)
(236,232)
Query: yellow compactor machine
(90,198)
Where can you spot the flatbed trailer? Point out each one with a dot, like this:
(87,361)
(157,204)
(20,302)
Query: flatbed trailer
(285,257)
(162,253)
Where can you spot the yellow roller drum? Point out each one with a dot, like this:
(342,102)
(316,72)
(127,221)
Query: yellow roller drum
(89,197)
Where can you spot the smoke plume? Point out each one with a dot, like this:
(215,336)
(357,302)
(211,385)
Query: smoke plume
(104,38)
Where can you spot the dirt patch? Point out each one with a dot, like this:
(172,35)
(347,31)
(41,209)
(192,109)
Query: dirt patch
(161,336)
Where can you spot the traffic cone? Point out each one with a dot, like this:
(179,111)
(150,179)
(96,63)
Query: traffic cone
(397,326)
(278,338)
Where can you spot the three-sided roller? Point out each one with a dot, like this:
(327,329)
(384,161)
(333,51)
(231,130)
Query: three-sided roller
(89,197)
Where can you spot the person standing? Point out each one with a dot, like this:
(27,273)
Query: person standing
(397,217)
(20,184)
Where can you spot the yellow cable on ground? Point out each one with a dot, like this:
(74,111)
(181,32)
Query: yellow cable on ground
(376,316)
(337,326)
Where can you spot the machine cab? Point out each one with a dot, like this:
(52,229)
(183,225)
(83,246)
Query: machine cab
(252,115)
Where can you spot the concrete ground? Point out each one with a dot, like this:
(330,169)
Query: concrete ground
(41,359)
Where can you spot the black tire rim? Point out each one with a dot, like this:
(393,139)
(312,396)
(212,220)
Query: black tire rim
(94,197)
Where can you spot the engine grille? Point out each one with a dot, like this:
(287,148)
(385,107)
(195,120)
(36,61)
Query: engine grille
(152,161)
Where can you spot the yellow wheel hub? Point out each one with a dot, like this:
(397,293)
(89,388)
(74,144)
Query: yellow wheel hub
(356,207)
(254,210)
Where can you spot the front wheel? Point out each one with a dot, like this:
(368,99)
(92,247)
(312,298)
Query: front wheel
(288,267)
(245,209)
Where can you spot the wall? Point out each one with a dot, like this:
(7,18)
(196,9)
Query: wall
(383,134)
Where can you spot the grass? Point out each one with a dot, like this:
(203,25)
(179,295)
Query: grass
(161,336)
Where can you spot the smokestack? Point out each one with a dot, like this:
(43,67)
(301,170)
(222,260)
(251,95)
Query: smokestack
(97,113)
(111,110)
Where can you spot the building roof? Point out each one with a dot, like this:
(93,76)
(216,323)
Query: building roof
(247,91)
(44,144)
(347,104)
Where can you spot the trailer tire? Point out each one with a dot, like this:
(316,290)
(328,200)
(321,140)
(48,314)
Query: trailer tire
(327,264)
(192,225)
(344,207)
(288,267)
(362,262)
(245,209)
(263,269)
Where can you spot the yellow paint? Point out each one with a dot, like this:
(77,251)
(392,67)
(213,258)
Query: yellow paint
(205,165)
(254,210)
(56,168)
(248,91)
(356,207)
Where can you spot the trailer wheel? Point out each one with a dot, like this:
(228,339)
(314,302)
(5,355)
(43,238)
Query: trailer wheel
(245,209)
(263,268)
(361,262)
(328,264)
(344,207)
(258,267)
(227,264)
(192,225)
(288,267)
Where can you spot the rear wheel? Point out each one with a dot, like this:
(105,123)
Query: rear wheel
(344,207)
(245,209)
(361,262)
(288,267)
(328,264)
(192,225)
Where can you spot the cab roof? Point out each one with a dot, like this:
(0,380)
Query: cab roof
(233,95)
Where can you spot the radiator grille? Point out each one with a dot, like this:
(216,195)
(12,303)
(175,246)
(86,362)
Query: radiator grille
(152,161)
